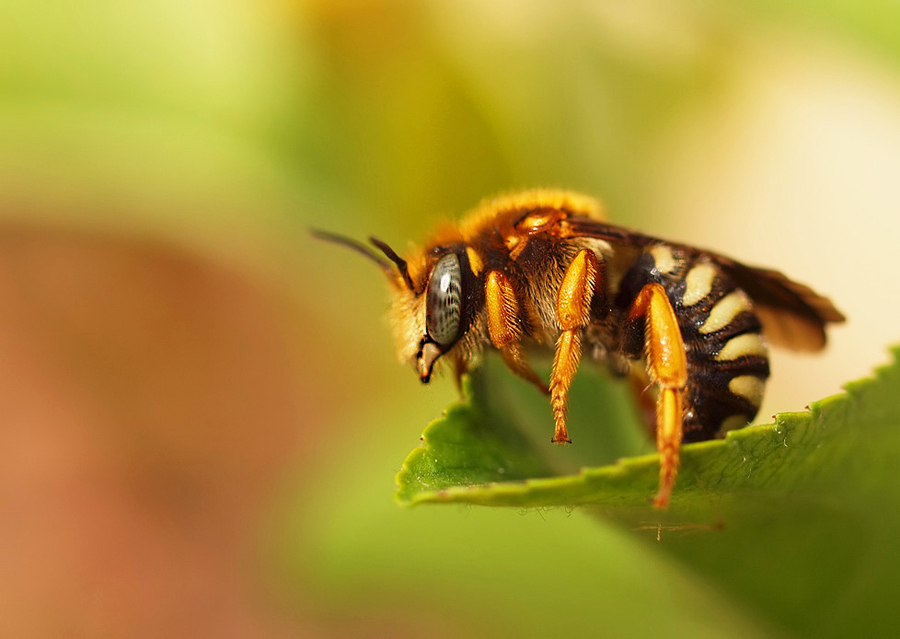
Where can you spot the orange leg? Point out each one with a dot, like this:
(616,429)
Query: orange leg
(667,368)
(504,327)
(573,309)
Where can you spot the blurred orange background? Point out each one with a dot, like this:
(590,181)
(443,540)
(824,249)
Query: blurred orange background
(200,412)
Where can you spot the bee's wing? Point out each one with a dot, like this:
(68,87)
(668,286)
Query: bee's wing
(793,315)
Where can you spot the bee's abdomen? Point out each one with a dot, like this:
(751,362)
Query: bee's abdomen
(727,356)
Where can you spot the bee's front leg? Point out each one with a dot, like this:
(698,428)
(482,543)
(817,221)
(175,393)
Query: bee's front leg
(667,368)
(573,310)
(505,326)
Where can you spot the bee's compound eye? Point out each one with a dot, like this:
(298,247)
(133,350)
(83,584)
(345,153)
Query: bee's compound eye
(442,310)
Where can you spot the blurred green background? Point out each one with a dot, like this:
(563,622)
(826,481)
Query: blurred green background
(200,411)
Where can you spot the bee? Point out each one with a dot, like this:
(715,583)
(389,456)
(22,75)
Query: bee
(542,268)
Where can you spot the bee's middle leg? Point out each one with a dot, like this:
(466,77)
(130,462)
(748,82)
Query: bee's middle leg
(573,310)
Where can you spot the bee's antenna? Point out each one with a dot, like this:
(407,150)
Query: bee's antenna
(396,259)
(362,249)
(359,247)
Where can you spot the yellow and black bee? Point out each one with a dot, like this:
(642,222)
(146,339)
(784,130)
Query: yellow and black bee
(542,268)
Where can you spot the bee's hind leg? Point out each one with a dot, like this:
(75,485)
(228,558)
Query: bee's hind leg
(652,313)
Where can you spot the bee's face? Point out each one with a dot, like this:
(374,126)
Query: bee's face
(431,321)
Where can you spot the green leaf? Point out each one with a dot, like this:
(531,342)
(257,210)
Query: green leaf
(798,519)
(487,449)
(493,448)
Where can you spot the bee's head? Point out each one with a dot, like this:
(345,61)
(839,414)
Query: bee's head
(432,301)
(433,312)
